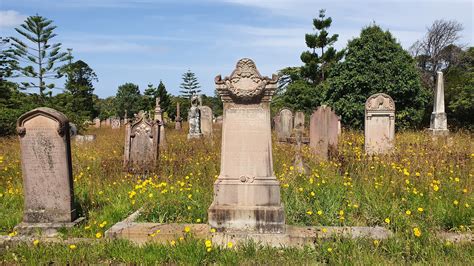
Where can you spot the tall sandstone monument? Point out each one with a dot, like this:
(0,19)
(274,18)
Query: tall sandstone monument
(246,193)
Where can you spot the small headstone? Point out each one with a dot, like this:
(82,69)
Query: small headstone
(96,122)
(299,121)
(103,123)
(339,126)
(47,170)
(286,124)
(206,120)
(276,125)
(85,138)
(115,123)
(141,145)
(323,131)
(194,118)
(379,124)
(439,120)
(246,193)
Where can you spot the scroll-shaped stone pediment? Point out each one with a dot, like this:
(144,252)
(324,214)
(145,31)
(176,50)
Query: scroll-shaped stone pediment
(61,119)
(245,82)
(380,102)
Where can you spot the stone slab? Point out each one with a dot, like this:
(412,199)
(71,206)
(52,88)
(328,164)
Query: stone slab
(47,229)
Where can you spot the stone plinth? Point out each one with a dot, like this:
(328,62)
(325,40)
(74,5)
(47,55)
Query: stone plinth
(141,145)
(46,167)
(247,193)
(379,124)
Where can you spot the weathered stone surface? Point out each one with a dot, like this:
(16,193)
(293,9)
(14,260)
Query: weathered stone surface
(194,118)
(96,122)
(299,121)
(219,120)
(159,120)
(85,138)
(439,120)
(323,131)
(246,194)
(379,124)
(339,126)
(286,124)
(141,145)
(206,120)
(115,123)
(46,167)
(178,118)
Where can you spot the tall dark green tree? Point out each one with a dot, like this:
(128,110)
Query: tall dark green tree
(128,98)
(317,65)
(6,67)
(151,93)
(375,63)
(190,85)
(38,57)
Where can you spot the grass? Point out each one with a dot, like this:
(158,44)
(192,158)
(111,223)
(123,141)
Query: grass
(425,186)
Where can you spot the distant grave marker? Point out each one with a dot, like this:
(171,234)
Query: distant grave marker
(323,131)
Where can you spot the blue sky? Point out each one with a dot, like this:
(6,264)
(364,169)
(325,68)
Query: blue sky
(145,41)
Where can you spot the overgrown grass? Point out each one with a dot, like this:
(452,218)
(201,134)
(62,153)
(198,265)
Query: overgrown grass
(424,184)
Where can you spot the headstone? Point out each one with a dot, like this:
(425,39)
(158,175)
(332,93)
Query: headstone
(206,120)
(219,120)
(96,122)
(103,123)
(115,123)
(323,131)
(339,126)
(161,122)
(379,124)
(47,170)
(194,118)
(178,118)
(286,124)
(439,120)
(85,138)
(298,161)
(141,145)
(299,121)
(246,193)
(276,124)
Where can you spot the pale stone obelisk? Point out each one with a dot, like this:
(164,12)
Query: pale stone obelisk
(439,121)
(247,193)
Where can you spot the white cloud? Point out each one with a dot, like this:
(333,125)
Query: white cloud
(11,18)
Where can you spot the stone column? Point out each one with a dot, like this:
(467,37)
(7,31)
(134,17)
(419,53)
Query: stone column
(439,121)
(247,193)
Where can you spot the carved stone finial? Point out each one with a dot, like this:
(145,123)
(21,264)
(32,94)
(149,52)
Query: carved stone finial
(380,102)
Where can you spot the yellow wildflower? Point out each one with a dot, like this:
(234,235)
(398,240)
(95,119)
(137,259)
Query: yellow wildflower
(416,232)
(98,235)
(387,220)
(72,247)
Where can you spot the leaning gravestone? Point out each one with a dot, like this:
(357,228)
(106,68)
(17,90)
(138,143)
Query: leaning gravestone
(47,171)
(323,131)
(379,124)
(246,193)
(206,120)
(141,145)
(299,121)
(286,124)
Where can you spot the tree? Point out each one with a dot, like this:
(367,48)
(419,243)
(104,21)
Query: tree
(317,65)
(190,85)
(301,96)
(79,83)
(40,56)
(151,93)
(375,62)
(6,67)
(435,51)
(128,99)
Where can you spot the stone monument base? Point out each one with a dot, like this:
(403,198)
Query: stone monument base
(257,219)
(195,136)
(48,229)
(438,132)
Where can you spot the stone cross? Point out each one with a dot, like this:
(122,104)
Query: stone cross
(47,170)
(246,193)
(439,121)
(141,145)
(206,120)
(323,131)
(379,124)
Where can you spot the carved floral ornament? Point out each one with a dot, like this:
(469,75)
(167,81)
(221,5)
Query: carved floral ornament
(380,102)
(245,82)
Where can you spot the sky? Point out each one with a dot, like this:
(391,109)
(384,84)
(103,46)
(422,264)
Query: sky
(145,41)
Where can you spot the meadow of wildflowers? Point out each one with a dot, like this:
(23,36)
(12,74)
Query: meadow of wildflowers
(423,188)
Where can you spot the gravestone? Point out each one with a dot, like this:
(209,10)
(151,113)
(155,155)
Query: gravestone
(246,193)
(379,124)
(103,123)
(141,145)
(194,118)
(47,170)
(159,120)
(85,138)
(339,126)
(286,124)
(299,121)
(219,120)
(323,131)
(96,122)
(178,118)
(439,120)
(115,123)
(206,120)
(276,125)
(72,129)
